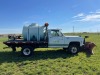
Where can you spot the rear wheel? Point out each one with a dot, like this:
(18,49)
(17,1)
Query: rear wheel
(27,51)
(73,49)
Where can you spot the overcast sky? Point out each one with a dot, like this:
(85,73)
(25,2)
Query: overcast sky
(84,15)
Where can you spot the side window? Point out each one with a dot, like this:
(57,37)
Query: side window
(54,33)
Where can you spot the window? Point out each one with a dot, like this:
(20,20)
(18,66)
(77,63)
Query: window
(56,33)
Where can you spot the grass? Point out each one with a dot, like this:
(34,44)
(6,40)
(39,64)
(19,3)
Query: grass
(51,61)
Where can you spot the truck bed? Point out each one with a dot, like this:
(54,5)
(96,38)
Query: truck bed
(20,43)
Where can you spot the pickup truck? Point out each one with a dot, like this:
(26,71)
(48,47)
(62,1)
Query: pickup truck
(53,38)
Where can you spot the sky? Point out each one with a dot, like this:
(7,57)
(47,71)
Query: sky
(82,15)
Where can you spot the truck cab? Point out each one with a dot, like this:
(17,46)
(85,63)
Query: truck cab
(57,39)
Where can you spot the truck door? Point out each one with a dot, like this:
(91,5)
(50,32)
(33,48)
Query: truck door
(56,39)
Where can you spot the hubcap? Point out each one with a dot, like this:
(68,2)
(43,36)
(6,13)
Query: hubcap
(74,50)
(26,51)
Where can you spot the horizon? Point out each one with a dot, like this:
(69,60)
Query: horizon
(62,32)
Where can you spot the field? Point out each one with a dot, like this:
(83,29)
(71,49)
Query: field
(51,61)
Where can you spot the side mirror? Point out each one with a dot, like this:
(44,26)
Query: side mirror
(86,36)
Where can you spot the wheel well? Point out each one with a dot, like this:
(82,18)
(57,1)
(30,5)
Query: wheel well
(75,43)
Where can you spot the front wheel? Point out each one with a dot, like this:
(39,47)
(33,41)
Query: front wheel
(27,51)
(73,49)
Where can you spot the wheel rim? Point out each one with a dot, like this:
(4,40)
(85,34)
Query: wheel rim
(74,50)
(26,51)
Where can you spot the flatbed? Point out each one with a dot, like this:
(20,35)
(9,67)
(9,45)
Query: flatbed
(20,43)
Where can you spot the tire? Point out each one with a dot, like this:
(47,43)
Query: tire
(73,49)
(27,51)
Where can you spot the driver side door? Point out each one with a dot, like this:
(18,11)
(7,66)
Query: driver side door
(55,39)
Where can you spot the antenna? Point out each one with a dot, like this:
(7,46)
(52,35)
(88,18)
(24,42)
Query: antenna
(73,29)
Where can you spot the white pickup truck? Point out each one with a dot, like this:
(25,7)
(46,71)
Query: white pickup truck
(51,38)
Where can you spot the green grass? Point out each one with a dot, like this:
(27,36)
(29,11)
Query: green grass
(51,61)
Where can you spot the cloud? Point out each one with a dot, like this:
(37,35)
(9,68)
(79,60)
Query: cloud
(97,12)
(92,16)
(79,15)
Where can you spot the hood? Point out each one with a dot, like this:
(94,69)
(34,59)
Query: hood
(72,36)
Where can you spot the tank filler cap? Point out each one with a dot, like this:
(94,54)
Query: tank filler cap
(46,24)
